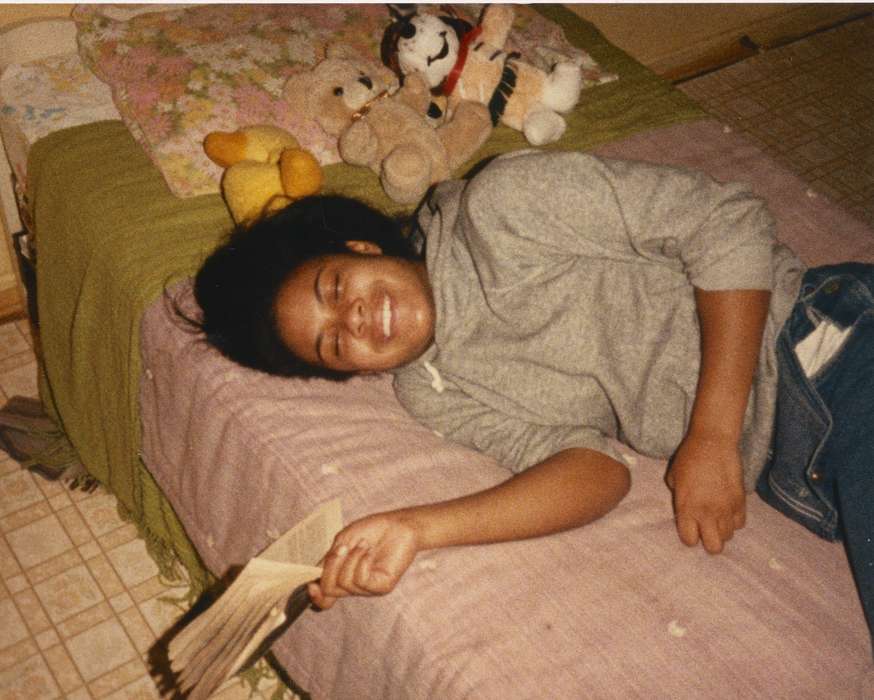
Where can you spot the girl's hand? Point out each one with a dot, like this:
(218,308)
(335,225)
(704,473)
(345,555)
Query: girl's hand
(368,558)
(706,477)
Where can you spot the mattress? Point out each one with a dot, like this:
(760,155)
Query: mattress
(214,461)
(618,609)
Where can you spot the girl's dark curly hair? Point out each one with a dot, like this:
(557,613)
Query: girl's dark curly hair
(237,284)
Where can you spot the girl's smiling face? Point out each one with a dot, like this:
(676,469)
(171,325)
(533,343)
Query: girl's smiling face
(358,312)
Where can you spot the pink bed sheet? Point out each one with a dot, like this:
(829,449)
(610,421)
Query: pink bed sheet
(619,609)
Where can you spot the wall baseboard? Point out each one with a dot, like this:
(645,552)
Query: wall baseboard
(680,41)
(777,31)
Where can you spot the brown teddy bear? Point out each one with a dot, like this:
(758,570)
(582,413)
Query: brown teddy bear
(395,140)
(338,87)
(385,128)
(470,63)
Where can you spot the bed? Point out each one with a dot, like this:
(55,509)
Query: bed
(213,461)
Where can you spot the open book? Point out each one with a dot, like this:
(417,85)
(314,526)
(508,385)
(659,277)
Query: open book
(270,591)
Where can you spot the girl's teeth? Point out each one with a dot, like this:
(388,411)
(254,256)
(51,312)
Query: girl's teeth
(386,317)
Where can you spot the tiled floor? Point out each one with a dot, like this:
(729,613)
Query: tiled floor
(809,105)
(80,600)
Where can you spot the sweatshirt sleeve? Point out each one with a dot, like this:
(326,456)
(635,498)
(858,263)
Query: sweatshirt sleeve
(541,206)
(515,444)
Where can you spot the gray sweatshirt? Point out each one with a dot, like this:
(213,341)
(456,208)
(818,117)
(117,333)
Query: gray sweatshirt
(565,305)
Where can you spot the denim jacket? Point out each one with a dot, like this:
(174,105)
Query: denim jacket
(799,479)
(821,468)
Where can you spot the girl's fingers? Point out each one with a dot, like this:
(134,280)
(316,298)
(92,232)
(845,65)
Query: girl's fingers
(349,579)
(320,600)
(325,592)
(710,537)
(726,527)
(331,566)
(362,575)
(687,528)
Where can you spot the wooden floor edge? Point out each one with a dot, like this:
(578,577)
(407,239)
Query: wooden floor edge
(719,51)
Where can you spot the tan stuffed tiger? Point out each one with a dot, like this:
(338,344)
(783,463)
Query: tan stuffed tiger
(462,62)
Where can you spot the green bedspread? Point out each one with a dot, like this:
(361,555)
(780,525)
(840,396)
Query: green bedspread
(111,238)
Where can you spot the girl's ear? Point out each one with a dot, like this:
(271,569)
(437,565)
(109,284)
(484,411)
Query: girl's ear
(364,247)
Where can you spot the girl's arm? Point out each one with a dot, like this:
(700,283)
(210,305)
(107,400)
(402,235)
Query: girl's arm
(706,474)
(569,489)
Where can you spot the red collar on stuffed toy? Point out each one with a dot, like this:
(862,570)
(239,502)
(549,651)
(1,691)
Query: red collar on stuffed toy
(452,78)
(365,108)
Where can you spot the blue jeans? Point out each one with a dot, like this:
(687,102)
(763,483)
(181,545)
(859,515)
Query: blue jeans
(821,468)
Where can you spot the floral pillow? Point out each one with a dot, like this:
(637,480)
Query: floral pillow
(177,75)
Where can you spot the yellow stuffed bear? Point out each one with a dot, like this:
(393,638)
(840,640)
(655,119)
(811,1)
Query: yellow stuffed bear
(265,169)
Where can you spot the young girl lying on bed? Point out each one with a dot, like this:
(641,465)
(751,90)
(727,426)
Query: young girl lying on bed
(560,301)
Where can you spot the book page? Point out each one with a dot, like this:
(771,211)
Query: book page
(272,620)
(309,540)
(221,638)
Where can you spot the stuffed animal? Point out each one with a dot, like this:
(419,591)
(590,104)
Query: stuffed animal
(388,132)
(471,64)
(264,169)
(395,140)
(339,86)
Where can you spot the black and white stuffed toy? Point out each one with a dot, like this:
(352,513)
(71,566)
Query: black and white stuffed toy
(462,62)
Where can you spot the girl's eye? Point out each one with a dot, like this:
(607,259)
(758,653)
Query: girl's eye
(338,91)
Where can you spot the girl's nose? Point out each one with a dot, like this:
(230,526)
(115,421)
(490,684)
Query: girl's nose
(354,317)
